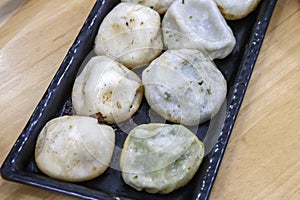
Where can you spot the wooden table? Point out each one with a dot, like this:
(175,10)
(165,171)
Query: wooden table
(262,158)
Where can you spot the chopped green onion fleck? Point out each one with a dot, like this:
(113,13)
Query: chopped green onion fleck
(167,96)
(209,91)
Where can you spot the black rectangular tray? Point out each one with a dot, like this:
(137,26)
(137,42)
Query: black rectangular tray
(19,165)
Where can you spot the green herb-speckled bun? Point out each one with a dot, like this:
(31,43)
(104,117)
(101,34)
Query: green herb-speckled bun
(184,86)
(160,158)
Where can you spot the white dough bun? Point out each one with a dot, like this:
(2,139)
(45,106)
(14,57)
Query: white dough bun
(197,24)
(74,148)
(131,34)
(184,86)
(107,90)
(160,158)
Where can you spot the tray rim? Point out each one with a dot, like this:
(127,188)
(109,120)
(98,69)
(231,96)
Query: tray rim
(234,101)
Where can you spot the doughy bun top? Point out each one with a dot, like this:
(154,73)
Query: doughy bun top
(160,157)
(184,86)
(107,90)
(131,34)
(73,148)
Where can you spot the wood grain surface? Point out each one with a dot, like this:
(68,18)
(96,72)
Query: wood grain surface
(262,159)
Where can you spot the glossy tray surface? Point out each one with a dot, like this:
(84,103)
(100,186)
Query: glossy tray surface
(19,165)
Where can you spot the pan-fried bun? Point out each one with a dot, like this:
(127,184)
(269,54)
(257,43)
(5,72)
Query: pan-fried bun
(184,86)
(197,24)
(236,9)
(73,148)
(160,158)
(107,90)
(131,34)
